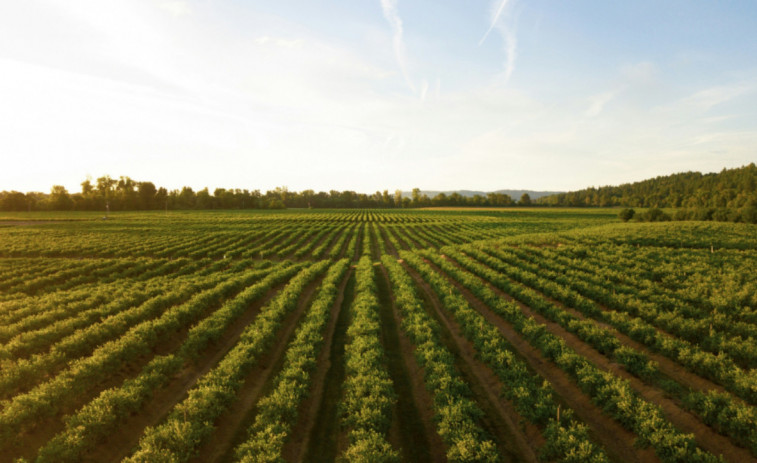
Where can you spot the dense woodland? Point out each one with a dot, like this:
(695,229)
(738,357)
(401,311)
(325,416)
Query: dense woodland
(730,195)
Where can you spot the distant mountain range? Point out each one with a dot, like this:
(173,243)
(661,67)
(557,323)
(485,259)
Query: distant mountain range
(514,194)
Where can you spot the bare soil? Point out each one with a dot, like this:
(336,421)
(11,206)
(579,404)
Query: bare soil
(412,430)
(231,427)
(326,439)
(616,440)
(517,440)
(299,437)
(706,437)
(45,429)
(120,444)
(387,243)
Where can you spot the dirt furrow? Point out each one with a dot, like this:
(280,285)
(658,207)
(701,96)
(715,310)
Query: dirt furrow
(231,427)
(706,437)
(668,367)
(516,440)
(326,440)
(616,440)
(299,437)
(387,242)
(46,428)
(413,428)
(153,411)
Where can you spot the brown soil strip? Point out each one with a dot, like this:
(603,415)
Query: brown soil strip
(387,243)
(393,230)
(668,367)
(616,440)
(410,241)
(375,252)
(326,440)
(706,437)
(299,436)
(516,440)
(46,428)
(359,242)
(231,427)
(413,428)
(119,445)
(332,237)
(33,222)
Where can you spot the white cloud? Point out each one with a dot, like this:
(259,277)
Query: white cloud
(389,8)
(502,18)
(496,14)
(597,103)
(714,96)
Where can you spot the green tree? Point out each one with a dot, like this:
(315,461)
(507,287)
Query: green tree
(146,192)
(525,200)
(397,198)
(416,197)
(59,199)
(13,201)
(626,214)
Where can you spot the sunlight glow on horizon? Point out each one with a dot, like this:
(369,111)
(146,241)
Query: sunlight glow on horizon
(373,95)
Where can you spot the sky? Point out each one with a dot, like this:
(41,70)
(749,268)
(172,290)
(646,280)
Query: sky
(368,95)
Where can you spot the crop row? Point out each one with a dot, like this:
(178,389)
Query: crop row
(277,412)
(106,413)
(191,421)
(718,368)
(367,394)
(605,342)
(714,332)
(566,438)
(455,412)
(48,398)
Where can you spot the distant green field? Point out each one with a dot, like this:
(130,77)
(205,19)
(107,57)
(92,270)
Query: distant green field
(376,335)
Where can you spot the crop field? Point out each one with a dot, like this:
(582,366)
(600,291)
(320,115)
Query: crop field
(376,335)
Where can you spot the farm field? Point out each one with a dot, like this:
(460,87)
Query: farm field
(376,335)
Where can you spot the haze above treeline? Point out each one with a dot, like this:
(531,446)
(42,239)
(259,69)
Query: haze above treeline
(729,190)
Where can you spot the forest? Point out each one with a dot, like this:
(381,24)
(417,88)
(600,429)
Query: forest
(702,194)
(727,196)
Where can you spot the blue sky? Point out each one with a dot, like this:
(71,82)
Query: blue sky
(380,94)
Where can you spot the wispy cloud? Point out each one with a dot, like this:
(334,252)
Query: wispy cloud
(279,42)
(502,20)
(389,7)
(597,103)
(494,20)
(714,96)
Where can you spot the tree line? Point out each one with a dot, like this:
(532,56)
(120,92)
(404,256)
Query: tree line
(726,196)
(125,194)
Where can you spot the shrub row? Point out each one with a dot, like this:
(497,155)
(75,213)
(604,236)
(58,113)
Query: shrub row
(103,415)
(277,412)
(367,393)
(193,420)
(567,439)
(455,413)
(613,394)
